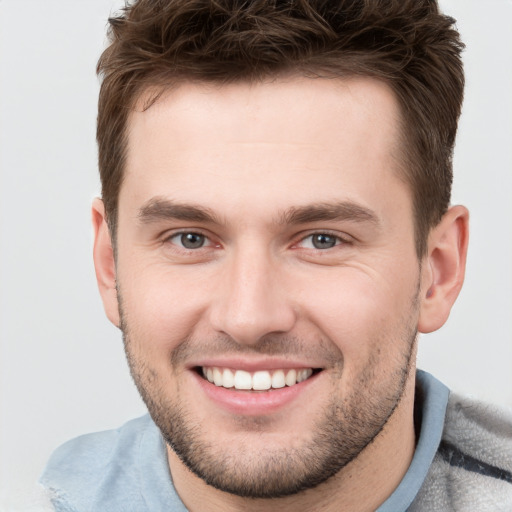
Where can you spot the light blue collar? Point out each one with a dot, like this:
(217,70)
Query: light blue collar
(435,399)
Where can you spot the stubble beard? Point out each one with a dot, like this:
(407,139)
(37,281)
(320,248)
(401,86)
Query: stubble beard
(349,424)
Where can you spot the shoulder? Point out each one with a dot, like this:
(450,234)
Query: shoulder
(472,469)
(481,430)
(79,469)
(475,415)
(477,443)
(94,451)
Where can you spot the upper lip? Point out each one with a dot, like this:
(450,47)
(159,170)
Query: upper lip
(254,365)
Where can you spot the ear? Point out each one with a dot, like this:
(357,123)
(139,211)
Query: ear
(104,262)
(443,268)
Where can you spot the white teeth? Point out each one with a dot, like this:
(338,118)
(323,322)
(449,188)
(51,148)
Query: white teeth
(228,378)
(291,378)
(217,377)
(259,381)
(243,380)
(304,374)
(278,380)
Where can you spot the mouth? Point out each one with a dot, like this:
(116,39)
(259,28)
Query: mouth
(261,380)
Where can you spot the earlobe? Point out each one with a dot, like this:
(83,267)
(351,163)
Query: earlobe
(443,268)
(104,262)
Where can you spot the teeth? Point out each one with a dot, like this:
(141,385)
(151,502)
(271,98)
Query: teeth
(261,381)
(258,381)
(217,377)
(228,378)
(278,380)
(291,378)
(304,374)
(243,380)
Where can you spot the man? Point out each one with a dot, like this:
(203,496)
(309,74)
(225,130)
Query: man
(273,233)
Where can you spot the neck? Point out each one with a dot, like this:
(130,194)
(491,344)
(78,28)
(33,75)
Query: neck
(379,467)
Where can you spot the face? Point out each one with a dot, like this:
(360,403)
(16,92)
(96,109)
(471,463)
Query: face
(267,277)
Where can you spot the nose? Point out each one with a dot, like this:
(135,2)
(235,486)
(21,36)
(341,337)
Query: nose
(251,301)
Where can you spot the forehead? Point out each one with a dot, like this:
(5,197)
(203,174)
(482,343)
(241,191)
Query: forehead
(264,142)
(260,110)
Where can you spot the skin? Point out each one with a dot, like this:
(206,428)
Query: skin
(259,293)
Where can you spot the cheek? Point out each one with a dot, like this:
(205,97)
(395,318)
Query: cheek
(361,311)
(160,307)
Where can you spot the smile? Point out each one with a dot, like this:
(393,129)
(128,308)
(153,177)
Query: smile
(261,380)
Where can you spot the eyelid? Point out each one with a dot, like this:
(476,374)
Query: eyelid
(166,237)
(169,235)
(342,238)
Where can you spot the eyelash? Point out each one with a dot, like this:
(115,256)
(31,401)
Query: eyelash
(339,240)
(188,232)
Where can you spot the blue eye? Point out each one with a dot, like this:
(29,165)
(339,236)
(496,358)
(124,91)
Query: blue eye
(190,240)
(323,241)
(320,241)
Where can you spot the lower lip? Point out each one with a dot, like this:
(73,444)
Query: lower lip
(253,403)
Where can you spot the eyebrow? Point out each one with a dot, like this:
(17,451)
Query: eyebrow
(339,211)
(159,208)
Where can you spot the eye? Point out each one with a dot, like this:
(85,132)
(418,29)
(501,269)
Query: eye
(190,240)
(320,241)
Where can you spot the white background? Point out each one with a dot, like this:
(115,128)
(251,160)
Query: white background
(62,367)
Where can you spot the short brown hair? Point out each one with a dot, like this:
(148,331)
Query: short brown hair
(408,44)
